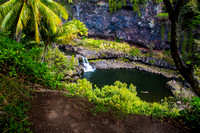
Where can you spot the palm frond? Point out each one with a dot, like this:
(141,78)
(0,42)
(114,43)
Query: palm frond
(64,39)
(36,19)
(11,16)
(23,18)
(51,18)
(1,18)
(74,27)
(57,9)
(6,7)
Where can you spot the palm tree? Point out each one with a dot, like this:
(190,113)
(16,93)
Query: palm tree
(16,14)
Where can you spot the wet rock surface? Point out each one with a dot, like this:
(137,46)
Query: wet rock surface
(119,64)
(123,24)
(111,54)
(180,89)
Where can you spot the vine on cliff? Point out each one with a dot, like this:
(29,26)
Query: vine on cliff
(118,4)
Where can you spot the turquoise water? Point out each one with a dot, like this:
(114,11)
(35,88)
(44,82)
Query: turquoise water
(154,84)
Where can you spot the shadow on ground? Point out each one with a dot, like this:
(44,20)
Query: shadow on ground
(54,113)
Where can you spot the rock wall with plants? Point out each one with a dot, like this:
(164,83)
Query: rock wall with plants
(124,24)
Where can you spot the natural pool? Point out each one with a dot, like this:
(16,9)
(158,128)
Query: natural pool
(144,81)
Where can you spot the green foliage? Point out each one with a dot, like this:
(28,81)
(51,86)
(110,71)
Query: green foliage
(191,115)
(71,30)
(162,16)
(163,26)
(73,63)
(59,64)
(196,21)
(184,45)
(118,4)
(76,27)
(102,44)
(16,60)
(14,97)
(167,52)
(32,12)
(152,61)
(118,40)
(157,1)
(135,51)
(119,99)
(121,47)
(197,71)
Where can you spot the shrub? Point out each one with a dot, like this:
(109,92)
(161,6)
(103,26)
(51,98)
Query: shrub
(71,30)
(120,99)
(191,115)
(58,63)
(16,60)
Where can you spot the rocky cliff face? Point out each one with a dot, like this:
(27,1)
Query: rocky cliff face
(111,54)
(123,24)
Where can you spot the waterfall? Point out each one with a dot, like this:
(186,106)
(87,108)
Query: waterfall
(87,66)
(78,12)
(78,62)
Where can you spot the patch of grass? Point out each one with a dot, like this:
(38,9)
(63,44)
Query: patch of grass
(15,97)
(102,44)
(134,51)
(163,16)
(99,45)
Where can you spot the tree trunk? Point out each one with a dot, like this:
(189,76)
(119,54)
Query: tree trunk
(18,37)
(45,48)
(186,71)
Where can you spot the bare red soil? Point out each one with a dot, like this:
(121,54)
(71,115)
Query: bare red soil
(55,113)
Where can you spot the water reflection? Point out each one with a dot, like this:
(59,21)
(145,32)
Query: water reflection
(145,82)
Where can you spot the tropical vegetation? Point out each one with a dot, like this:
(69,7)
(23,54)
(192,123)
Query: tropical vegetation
(121,47)
(174,9)
(59,64)
(42,15)
(21,65)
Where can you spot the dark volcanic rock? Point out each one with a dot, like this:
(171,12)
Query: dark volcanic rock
(124,24)
(181,90)
(111,54)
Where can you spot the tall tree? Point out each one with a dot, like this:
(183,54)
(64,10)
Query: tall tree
(16,14)
(187,71)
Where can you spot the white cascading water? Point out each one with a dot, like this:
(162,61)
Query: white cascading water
(87,66)
(78,12)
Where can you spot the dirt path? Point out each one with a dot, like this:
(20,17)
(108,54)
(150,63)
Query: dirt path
(54,113)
